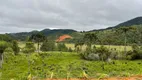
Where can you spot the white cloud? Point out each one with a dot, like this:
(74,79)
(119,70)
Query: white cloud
(25,15)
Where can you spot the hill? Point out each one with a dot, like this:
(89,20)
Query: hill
(135,21)
(103,34)
(131,22)
(115,36)
(51,34)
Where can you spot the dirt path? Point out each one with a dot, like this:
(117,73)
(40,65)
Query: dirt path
(113,78)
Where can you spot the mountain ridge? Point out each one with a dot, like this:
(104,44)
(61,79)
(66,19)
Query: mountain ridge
(130,22)
(47,32)
(54,33)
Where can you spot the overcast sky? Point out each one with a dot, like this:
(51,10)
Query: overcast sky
(27,15)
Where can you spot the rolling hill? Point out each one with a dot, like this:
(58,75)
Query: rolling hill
(103,33)
(135,21)
(51,34)
(131,22)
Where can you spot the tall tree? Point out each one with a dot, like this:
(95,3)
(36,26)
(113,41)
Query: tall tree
(89,39)
(38,37)
(29,48)
(79,43)
(48,45)
(125,30)
(15,47)
(3,46)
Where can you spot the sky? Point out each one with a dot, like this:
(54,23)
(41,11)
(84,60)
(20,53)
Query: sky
(81,15)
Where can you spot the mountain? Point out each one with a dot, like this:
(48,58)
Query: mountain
(56,33)
(135,21)
(51,34)
(115,36)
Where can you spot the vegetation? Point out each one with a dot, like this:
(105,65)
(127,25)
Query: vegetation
(62,47)
(15,47)
(51,34)
(5,37)
(3,46)
(48,46)
(39,37)
(60,64)
(103,53)
(136,53)
(29,48)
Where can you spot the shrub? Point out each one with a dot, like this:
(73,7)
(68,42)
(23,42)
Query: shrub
(15,47)
(115,54)
(62,47)
(70,49)
(8,53)
(29,48)
(48,46)
(101,53)
(9,50)
(3,46)
(93,56)
(136,53)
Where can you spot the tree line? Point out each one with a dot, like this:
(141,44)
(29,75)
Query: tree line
(103,53)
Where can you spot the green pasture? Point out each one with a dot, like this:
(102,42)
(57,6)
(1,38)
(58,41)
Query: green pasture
(117,47)
(60,64)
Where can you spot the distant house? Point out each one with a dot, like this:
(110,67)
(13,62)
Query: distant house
(63,37)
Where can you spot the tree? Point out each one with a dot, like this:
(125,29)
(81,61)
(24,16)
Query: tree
(125,30)
(15,47)
(70,49)
(3,46)
(62,47)
(139,34)
(29,48)
(6,37)
(48,46)
(103,52)
(89,39)
(80,43)
(39,37)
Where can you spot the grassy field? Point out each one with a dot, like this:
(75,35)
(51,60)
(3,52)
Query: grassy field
(119,48)
(60,64)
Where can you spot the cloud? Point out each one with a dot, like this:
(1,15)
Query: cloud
(25,15)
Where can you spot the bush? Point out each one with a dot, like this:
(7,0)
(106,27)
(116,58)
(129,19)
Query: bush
(116,55)
(93,56)
(101,53)
(9,50)
(62,47)
(3,46)
(136,53)
(70,49)
(8,53)
(48,46)
(15,47)
(29,48)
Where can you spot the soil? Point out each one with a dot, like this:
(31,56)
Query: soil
(63,37)
(112,78)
